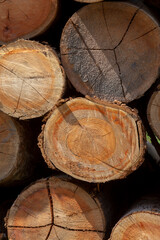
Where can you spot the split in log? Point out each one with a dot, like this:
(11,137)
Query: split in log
(93,142)
(142,222)
(32,79)
(109,50)
(16,163)
(55,209)
(153,112)
(25,19)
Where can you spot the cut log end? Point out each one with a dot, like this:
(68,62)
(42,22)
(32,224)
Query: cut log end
(109,50)
(25,18)
(141,222)
(153,112)
(9,146)
(101,142)
(55,209)
(31,85)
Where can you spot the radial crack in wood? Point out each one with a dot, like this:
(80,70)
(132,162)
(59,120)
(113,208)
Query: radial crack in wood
(132,38)
(101,141)
(76,215)
(25,19)
(32,79)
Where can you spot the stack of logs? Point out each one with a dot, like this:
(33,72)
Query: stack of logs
(93,91)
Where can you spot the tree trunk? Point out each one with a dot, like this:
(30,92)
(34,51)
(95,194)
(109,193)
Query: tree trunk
(31,85)
(25,19)
(93,142)
(109,50)
(153,112)
(55,209)
(16,161)
(141,222)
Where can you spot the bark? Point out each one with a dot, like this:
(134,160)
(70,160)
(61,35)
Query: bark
(55,208)
(25,19)
(92,141)
(109,50)
(32,79)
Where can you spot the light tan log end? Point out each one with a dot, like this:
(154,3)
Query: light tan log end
(31,79)
(93,142)
(144,225)
(55,209)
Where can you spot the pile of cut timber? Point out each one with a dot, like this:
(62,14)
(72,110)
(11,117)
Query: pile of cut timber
(77,103)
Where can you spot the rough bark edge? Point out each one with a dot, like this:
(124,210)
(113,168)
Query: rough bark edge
(117,105)
(41,135)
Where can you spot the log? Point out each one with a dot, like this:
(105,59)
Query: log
(56,209)
(141,222)
(32,79)
(16,152)
(153,112)
(109,50)
(91,141)
(25,19)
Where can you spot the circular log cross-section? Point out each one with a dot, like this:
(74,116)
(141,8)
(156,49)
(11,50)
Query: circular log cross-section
(55,209)
(32,80)
(92,142)
(15,160)
(143,222)
(153,112)
(109,50)
(20,18)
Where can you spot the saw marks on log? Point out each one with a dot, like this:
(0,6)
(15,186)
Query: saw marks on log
(93,142)
(20,18)
(9,146)
(109,50)
(153,112)
(31,81)
(55,209)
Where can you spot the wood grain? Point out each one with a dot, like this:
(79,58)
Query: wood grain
(91,141)
(25,19)
(55,209)
(109,50)
(32,79)
(141,222)
(16,156)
